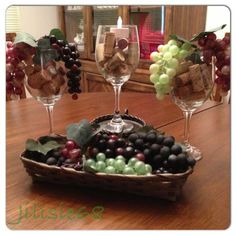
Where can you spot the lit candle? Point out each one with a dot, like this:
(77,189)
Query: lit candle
(120,32)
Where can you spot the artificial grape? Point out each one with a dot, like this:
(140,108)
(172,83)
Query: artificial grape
(160,96)
(227,60)
(74,68)
(221,45)
(191,161)
(220,55)
(53,39)
(181,161)
(207,55)
(51,161)
(154,68)
(165,152)
(102,144)
(74,153)
(173,63)
(101,156)
(111,144)
(128,171)
(132,161)
(110,170)
(69,63)
(225,70)
(140,168)
(113,136)
(164,79)
(157,161)
(8,76)
(154,78)
(139,144)
(100,166)
(172,161)
(19,74)
(74,96)
(120,151)
(172,42)
(120,142)
(70,144)
(170,72)
(132,137)
(15,61)
(65,58)
(226,39)
(94,152)
(109,153)
(173,50)
(148,168)
(167,56)
(154,56)
(9,88)
(119,165)
(77,62)
(155,149)
(165,48)
(160,47)
(211,36)
(169,141)
(110,162)
(66,51)
(176,149)
(18,90)
(61,43)
(55,46)
(151,138)
(210,44)
(72,47)
(160,138)
(120,157)
(147,154)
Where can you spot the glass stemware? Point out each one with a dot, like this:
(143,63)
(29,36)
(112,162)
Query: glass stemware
(191,88)
(46,81)
(117,55)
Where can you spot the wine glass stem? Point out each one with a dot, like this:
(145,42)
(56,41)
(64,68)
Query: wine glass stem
(49,109)
(187,118)
(116,117)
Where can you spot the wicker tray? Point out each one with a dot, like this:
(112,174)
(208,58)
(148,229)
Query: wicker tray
(167,186)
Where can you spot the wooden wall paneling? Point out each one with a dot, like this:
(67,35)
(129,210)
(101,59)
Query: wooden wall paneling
(168,22)
(61,16)
(132,86)
(188,20)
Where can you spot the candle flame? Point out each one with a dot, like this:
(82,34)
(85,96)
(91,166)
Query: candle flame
(119,22)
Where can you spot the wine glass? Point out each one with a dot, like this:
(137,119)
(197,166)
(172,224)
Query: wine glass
(117,55)
(191,88)
(46,81)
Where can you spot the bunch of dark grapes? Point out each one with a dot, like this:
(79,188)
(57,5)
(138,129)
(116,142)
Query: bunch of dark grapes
(14,70)
(220,48)
(68,54)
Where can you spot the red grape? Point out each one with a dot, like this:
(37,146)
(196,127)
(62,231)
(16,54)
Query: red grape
(18,90)
(9,44)
(8,77)
(9,87)
(74,153)
(70,144)
(226,39)
(225,70)
(218,73)
(227,60)
(19,74)
(8,59)
(9,52)
(210,43)
(207,54)
(65,152)
(15,61)
(220,55)
(211,36)
(75,96)
(202,42)
(221,45)
(219,64)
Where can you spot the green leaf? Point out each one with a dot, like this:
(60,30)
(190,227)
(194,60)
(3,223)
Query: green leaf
(44,43)
(182,40)
(23,37)
(195,57)
(204,33)
(58,138)
(58,34)
(81,132)
(33,145)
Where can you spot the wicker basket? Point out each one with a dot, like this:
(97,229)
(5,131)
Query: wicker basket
(166,186)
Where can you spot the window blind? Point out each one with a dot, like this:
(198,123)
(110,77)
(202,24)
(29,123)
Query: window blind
(12,19)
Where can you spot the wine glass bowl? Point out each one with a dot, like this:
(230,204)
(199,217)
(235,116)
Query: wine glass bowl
(117,55)
(191,87)
(46,80)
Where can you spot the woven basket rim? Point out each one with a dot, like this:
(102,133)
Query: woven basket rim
(135,177)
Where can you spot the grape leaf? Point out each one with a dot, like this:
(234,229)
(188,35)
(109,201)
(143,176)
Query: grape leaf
(204,33)
(182,40)
(58,34)
(80,132)
(23,37)
(32,145)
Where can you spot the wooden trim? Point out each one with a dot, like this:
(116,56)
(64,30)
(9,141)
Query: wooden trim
(61,16)
(125,14)
(168,22)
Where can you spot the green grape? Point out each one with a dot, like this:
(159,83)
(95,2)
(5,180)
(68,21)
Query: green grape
(164,79)
(101,156)
(173,50)
(170,72)
(110,162)
(186,46)
(119,165)
(128,170)
(120,157)
(110,170)
(132,161)
(140,168)
(100,166)
(159,48)
(154,68)
(148,168)
(157,85)
(90,162)
(154,78)
(165,48)
(160,62)
(182,54)
(173,63)
(172,42)
(154,56)
(167,56)
(160,96)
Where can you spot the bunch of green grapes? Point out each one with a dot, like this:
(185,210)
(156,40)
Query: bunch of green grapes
(118,165)
(166,60)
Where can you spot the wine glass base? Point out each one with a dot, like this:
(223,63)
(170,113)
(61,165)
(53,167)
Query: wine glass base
(113,127)
(193,152)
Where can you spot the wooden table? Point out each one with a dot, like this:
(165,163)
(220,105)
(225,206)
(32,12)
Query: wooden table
(205,200)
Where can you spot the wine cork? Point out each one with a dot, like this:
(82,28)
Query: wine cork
(182,79)
(184,92)
(133,52)
(206,75)
(196,77)
(198,96)
(100,52)
(49,89)
(183,67)
(109,43)
(36,80)
(29,70)
(122,43)
(115,61)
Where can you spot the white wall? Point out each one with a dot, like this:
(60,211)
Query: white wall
(39,20)
(217,16)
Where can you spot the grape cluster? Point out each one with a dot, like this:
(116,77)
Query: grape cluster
(166,62)
(68,54)
(14,70)
(137,154)
(220,48)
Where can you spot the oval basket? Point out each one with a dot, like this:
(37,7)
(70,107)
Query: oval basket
(166,186)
